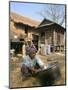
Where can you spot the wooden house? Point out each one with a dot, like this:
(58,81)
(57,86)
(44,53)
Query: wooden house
(51,33)
(21,31)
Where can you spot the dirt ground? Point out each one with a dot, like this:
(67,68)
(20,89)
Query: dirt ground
(15,74)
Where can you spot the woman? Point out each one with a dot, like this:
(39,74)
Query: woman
(31,63)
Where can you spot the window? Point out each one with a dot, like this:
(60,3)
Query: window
(42,38)
(26,29)
(42,34)
(19,25)
(58,38)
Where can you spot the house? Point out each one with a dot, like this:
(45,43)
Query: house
(51,34)
(23,30)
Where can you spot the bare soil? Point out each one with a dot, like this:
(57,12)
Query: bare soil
(15,74)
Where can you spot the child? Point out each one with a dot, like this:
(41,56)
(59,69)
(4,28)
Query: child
(31,63)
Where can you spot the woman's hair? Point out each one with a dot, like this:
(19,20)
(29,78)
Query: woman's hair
(31,49)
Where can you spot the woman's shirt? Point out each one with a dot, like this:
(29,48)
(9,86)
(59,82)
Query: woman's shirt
(32,62)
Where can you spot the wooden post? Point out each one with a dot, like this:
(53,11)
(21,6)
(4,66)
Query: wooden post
(54,40)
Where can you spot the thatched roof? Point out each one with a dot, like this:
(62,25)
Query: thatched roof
(24,20)
(47,23)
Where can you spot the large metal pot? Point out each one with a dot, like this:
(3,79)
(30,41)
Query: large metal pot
(48,76)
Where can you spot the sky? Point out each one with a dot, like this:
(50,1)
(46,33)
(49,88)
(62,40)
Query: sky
(27,9)
(30,10)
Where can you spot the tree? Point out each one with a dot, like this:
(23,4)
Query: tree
(53,12)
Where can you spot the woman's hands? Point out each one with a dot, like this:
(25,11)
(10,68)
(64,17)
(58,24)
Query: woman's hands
(34,70)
